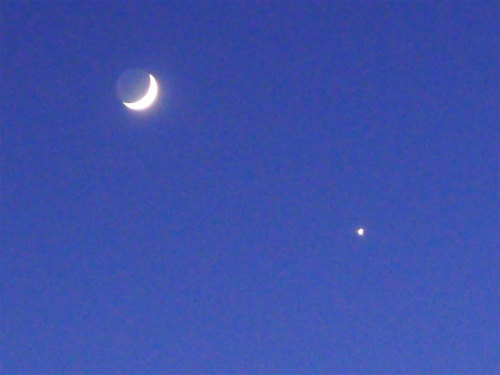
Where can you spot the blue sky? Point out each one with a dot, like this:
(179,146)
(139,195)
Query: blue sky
(216,232)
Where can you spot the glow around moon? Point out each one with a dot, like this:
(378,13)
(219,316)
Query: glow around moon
(148,99)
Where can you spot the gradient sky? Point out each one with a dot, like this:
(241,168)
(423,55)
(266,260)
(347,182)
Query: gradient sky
(216,233)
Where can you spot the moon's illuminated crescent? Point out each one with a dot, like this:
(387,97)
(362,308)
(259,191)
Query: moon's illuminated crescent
(147,99)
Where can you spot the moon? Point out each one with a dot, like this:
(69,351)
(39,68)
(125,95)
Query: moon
(148,99)
(361,232)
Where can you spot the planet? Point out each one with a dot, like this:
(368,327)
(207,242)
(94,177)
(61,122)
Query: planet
(137,89)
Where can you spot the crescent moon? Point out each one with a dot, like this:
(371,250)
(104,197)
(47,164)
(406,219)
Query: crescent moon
(147,99)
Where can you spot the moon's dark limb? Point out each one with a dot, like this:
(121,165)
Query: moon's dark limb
(132,85)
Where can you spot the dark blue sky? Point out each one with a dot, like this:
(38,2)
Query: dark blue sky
(215,233)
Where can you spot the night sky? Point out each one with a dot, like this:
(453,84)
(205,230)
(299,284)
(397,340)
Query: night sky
(216,232)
